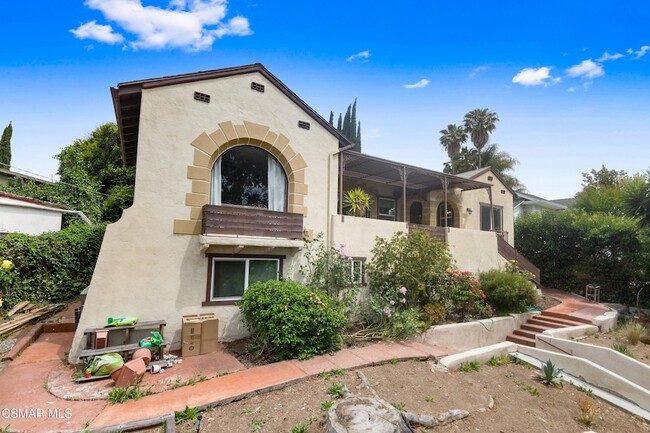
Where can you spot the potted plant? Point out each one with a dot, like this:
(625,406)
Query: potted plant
(356,202)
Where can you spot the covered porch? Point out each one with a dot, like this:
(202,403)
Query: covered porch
(421,198)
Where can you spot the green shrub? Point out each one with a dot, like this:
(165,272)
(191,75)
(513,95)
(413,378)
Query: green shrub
(415,260)
(507,291)
(291,320)
(464,296)
(51,267)
(633,332)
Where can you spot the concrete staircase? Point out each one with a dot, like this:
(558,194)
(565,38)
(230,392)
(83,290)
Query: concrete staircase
(540,323)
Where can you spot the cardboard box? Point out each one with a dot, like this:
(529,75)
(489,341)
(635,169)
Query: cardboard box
(191,346)
(200,334)
(209,346)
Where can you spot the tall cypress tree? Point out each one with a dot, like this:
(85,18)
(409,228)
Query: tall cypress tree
(353,123)
(346,122)
(339,125)
(357,146)
(5,147)
(331,121)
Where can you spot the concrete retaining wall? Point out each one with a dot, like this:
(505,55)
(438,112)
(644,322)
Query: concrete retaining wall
(593,374)
(470,335)
(631,369)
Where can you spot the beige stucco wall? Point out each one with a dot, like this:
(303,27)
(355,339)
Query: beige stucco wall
(32,219)
(501,196)
(358,234)
(144,269)
(474,250)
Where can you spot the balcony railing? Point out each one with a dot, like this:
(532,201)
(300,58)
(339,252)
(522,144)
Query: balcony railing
(508,252)
(439,233)
(248,221)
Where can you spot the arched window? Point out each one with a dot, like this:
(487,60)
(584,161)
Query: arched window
(441,215)
(249,176)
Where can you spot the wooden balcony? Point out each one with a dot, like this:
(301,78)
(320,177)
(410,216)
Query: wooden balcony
(250,221)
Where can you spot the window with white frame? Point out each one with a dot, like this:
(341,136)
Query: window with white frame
(357,270)
(485,218)
(231,276)
(386,208)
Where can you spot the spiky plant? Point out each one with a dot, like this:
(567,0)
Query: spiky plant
(551,375)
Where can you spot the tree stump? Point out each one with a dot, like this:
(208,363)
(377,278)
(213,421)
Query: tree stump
(365,415)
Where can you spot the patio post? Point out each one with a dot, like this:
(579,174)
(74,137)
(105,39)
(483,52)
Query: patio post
(341,167)
(403,193)
(445,184)
(489,191)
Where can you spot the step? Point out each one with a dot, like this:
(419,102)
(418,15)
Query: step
(540,321)
(564,318)
(535,328)
(519,339)
(524,333)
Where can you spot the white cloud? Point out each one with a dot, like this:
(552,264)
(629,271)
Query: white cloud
(422,83)
(572,89)
(97,32)
(642,52)
(360,55)
(586,69)
(535,77)
(193,25)
(478,70)
(606,56)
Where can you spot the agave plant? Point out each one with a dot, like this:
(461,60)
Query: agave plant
(551,374)
(356,202)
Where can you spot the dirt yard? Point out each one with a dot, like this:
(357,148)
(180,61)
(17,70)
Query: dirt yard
(640,351)
(521,402)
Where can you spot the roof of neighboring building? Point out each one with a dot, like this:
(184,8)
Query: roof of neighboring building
(372,168)
(564,201)
(127,99)
(34,201)
(529,199)
(473,174)
(10,173)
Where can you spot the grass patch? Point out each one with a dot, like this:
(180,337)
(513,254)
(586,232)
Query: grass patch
(468,367)
(303,428)
(496,361)
(399,406)
(586,412)
(336,390)
(622,347)
(187,414)
(532,390)
(125,393)
(326,405)
(633,332)
(327,375)
(257,424)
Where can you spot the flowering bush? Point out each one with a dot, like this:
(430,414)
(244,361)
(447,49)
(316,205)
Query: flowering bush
(394,316)
(7,277)
(464,295)
(327,268)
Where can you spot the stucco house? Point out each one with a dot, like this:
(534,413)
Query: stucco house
(525,203)
(233,171)
(27,215)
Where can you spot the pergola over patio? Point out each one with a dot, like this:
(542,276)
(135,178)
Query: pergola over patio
(409,178)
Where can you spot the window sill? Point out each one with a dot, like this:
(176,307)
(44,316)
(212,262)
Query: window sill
(217,303)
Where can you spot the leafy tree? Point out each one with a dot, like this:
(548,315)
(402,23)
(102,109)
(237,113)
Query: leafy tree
(479,123)
(452,138)
(92,177)
(5,147)
(500,161)
(607,191)
(637,200)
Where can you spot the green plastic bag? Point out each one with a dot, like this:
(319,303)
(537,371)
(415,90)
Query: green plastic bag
(104,365)
(155,340)
(122,321)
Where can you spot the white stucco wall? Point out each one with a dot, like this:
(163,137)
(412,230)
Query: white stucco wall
(31,219)
(146,270)
(358,234)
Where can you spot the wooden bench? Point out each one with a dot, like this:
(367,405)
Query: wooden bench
(127,347)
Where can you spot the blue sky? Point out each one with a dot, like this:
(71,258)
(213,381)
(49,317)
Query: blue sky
(570,80)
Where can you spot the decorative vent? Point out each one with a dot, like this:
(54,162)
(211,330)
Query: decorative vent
(203,97)
(257,86)
(503,191)
(303,125)
(490,178)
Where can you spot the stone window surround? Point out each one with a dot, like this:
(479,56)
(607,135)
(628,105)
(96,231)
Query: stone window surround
(209,147)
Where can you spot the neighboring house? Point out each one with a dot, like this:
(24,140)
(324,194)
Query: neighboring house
(233,171)
(28,215)
(527,203)
(6,175)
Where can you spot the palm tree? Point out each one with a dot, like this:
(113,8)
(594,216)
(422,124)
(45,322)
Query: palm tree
(479,123)
(500,161)
(452,139)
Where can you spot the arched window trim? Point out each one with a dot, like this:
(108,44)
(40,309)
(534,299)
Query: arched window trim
(277,181)
(451,215)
